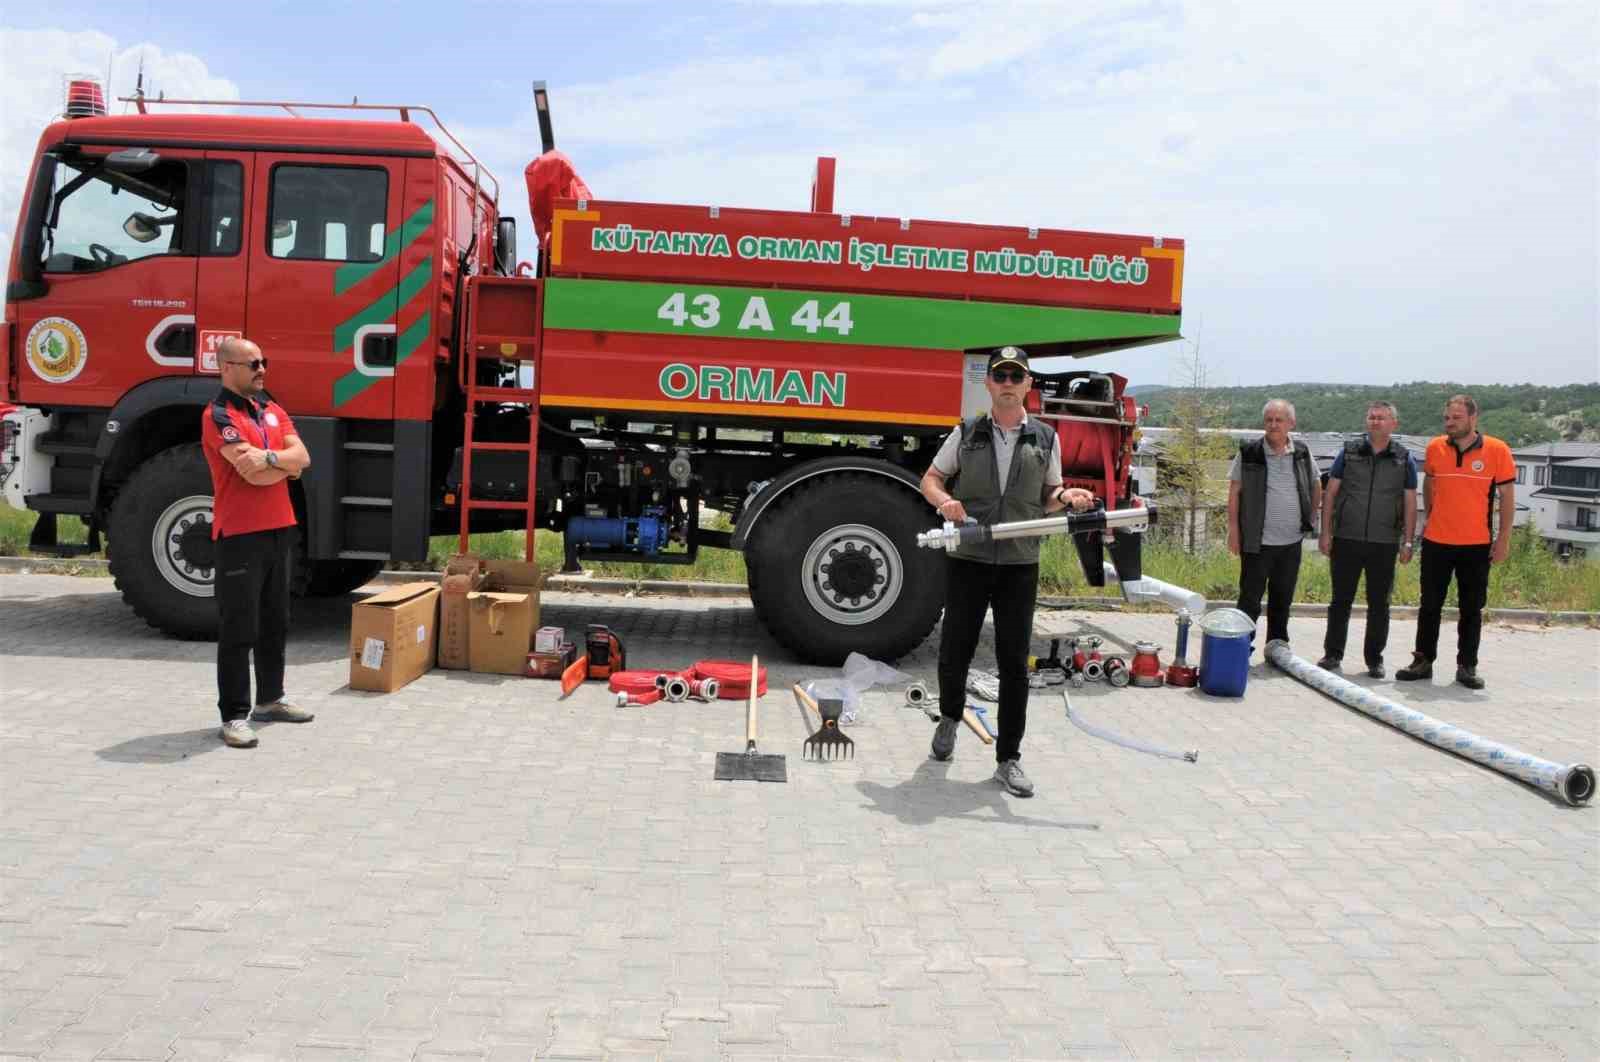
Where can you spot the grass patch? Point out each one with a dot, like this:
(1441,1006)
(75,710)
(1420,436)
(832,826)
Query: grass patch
(1531,577)
(16,526)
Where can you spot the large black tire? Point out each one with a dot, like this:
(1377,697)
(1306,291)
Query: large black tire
(159,543)
(835,569)
(335,578)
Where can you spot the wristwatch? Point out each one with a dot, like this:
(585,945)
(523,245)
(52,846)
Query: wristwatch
(272,458)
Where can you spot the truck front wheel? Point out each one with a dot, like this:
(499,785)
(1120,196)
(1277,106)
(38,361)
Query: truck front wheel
(834,568)
(159,543)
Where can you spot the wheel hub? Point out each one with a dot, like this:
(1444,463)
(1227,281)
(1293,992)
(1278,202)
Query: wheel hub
(181,543)
(852,574)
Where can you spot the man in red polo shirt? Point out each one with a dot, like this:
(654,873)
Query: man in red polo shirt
(1467,472)
(251,446)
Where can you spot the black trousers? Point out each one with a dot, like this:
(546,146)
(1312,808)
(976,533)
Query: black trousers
(252,589)
(1470,567)
(1350,560)
(972,588)
(1274,570)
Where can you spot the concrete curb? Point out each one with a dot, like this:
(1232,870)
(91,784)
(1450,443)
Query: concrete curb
(92,566)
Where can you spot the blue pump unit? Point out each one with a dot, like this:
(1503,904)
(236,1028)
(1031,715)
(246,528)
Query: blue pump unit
(646,533)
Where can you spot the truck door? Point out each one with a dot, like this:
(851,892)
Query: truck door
(119,264)
(324,282)
(224,239)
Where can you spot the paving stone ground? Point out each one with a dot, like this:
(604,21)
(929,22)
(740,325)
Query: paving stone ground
(469,868)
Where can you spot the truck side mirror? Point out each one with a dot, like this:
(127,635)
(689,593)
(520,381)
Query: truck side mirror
(141,228)
(505,246)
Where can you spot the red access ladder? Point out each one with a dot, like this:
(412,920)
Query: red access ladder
(504,324)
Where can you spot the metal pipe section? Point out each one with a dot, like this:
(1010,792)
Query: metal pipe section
(1152,589)
(951,536)
(1573,782)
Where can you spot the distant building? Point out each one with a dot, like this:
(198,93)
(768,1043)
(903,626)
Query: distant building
(1558,484)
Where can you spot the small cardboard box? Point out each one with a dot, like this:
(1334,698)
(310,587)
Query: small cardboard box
(550,665)
(549,639)
(503,617)
(462,575)
(393,637)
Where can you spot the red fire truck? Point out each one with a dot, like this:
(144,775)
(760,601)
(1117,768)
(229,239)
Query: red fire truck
(653,365)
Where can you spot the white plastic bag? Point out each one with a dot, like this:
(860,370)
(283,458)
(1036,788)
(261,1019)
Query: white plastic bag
(859,674)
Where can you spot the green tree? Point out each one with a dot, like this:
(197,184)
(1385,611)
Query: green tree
(1184,469)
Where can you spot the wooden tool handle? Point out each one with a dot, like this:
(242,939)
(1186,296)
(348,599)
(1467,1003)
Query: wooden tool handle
(750,712)
(805,699)
(977,727)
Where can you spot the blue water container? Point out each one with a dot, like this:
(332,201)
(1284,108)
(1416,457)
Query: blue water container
(1225,652)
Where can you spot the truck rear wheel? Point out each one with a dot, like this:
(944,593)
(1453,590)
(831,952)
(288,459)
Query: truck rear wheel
(159,543)
(835,568)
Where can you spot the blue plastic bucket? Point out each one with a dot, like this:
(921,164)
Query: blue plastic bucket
(1225,652)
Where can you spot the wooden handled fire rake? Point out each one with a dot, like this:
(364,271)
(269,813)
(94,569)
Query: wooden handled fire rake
(828,743)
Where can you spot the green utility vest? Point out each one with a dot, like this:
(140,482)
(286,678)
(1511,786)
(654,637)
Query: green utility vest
(977,485)
(1370,506)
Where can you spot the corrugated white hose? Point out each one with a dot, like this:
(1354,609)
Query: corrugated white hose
(1573,782)
(1192,756)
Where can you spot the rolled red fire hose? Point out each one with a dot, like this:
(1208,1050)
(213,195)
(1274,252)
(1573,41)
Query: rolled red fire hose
(732,680)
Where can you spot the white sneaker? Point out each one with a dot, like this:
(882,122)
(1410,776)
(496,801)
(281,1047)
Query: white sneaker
(236,733)
(283,712)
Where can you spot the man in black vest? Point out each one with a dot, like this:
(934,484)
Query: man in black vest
(1273,490)
(995,468)
(1369,518)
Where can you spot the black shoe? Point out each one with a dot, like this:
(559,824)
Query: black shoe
(1468,677)
(944,739)
(1419,668)
(1376,670)
(1329,663)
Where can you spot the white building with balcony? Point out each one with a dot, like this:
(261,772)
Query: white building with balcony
(1559,486)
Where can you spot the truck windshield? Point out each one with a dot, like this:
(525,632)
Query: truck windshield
(101,219)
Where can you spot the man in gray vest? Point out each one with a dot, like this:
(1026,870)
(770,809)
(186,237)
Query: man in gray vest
(1273,490)
(995,468)
(1369,517)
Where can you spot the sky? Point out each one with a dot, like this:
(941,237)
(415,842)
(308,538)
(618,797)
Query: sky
(1373,192)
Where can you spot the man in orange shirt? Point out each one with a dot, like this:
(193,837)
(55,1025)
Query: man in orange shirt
(1466,472)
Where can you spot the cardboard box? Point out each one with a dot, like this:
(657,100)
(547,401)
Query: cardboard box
(550,665)
(503,618)
(462,575)
(393,637)
(549,639)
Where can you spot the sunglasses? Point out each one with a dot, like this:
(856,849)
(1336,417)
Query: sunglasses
(253,364)
(1002,376)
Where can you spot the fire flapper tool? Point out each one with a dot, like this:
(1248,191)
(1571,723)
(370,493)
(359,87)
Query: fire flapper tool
(828,743)
(952,536)
(750,766)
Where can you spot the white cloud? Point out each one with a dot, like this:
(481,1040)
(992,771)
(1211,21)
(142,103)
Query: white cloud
(33,84)
(1371,191)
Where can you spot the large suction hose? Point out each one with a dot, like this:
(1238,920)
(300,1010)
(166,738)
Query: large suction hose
(1573,783)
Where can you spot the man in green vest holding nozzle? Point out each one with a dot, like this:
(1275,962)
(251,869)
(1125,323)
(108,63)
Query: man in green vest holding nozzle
(996,468)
